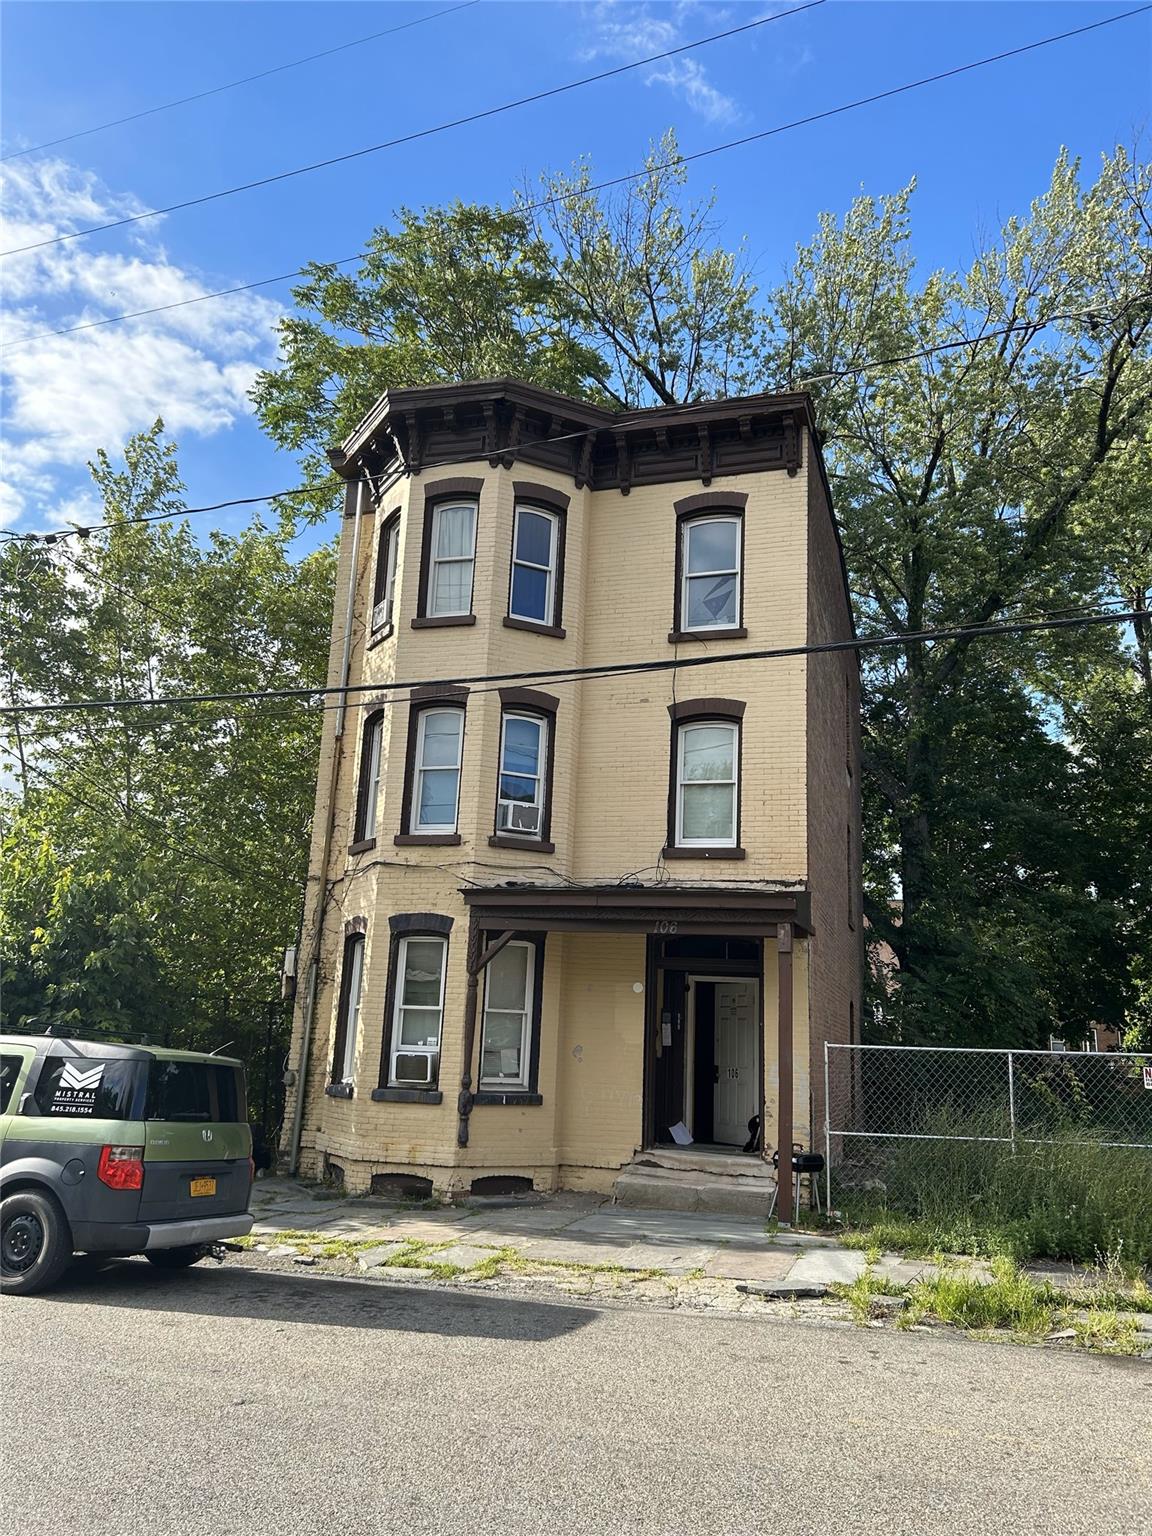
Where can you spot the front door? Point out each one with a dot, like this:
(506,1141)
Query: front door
(735,1095)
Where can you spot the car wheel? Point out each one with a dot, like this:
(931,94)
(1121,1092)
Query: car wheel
(35,1242)
(177,1258)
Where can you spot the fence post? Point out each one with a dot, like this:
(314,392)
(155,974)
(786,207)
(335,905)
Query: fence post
(827,1139)
(1012,1100)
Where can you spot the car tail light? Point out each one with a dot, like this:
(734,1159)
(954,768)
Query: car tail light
(121,1167)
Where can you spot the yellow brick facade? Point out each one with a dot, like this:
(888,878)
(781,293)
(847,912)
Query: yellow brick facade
(609,815)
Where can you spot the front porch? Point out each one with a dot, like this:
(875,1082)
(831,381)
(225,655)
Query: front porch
(715,1037)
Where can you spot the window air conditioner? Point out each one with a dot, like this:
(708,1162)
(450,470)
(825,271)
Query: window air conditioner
(413,1069)
(515,816)
(381,614)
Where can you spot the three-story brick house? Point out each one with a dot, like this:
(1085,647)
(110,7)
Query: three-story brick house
(563,909)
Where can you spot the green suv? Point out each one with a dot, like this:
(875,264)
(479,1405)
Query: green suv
(117,1149)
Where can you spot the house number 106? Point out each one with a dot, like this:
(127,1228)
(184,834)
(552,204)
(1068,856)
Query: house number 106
(664,926)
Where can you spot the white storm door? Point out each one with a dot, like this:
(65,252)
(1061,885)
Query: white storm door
(737,1097)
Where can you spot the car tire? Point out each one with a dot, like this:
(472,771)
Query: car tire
(35,1242)
(177,1258)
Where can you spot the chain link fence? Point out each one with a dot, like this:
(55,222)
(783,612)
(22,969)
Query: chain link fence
(881,1098)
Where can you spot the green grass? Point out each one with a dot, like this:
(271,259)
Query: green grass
(1062,1200)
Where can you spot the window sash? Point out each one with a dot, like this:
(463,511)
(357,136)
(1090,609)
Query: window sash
(440,600)
(688,575)
(520,1078)
(728,839)
(372,778)
(434,1011)
(384,601)
(425,771)
(519,561)
(505,804)
(350,1006)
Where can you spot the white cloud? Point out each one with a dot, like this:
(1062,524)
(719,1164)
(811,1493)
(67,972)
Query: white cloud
(624,31)
(67,396)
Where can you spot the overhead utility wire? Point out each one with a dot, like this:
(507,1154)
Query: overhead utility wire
(231,85)
(615,669)
(599,186)
(420,133)
(464,458)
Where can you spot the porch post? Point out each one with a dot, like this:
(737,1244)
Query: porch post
(784,1073)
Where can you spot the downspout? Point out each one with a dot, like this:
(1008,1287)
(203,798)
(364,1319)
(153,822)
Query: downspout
(329,822)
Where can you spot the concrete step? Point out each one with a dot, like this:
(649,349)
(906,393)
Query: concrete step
(662,1189)
(688,1160)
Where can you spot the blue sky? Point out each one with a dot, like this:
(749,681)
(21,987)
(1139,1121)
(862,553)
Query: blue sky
(981,147)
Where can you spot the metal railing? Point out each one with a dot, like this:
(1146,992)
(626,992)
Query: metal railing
(878,1095)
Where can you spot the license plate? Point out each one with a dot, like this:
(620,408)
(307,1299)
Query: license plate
(203,1186)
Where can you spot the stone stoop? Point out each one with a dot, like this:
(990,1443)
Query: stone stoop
(703,1181)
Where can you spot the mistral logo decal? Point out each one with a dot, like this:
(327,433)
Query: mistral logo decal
(206,1133)
(76,1091)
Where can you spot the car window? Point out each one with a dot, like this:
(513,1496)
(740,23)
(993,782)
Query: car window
(194,1090)
(83,1085)
(9,1072)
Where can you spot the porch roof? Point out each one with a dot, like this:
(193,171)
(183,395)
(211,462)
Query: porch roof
(753,908)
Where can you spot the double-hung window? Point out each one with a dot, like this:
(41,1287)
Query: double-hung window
(506,1042)
(707,756)
(436,786)
(418,1018)
(710,573)
(384,588)
(453,553)
(535,541)
(348,1016)
(523,766)
(369,798)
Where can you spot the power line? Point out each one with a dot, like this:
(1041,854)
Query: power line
(231,85)
(574,674)
(411,138)
(601,186)
(464,458)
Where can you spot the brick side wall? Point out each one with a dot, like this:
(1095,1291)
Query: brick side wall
(833,707)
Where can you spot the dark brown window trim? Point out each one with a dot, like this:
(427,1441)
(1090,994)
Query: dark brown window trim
(530,490)
(520,844)
(531,1093)
(339,1090)
(709,501)
(445,621)
(372,722)
(679,636)
(405,925)
(686,513)
(355,925)
(711,709)
(711,854)
(452,696)
(535,629)
(420,922)
(380,636)
(365,845)
(687,712)
(435,492)
(528,701)
(547,501)
(407,1096)
(512,1099)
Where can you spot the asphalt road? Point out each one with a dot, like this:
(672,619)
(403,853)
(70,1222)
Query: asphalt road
(233,1401)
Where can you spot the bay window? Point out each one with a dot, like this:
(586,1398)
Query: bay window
(453,554)
(436,781)
(418,1016)
(535,543)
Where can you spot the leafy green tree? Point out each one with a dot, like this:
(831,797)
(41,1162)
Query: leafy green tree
(161,852)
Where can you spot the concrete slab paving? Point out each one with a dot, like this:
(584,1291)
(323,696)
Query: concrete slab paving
(372,1258)
(667,1227)
(463,1255)
(538,1218)
(744,1264)
(828,1268)
(903,1271)
(676,1259)
(561,1250)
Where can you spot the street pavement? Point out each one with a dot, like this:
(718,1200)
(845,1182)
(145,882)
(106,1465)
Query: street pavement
(244,1401)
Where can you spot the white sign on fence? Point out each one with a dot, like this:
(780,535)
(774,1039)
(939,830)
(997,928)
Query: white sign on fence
(1148,1077)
